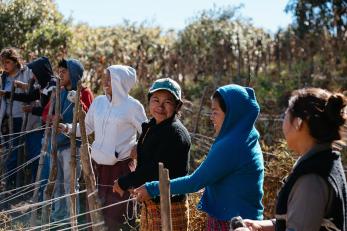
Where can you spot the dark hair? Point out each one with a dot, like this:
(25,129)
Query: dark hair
(219,98)
(322,110)
(12,54)
(62,63)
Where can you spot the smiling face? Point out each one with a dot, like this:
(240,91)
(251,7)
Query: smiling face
(217,116)
(162,105)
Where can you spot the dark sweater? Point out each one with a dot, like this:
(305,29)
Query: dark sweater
(326,164)
(168,142)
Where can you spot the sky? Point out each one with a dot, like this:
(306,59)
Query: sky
(170,14)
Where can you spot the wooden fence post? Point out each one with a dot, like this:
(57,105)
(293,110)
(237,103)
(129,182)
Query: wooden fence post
(89,177)
(42,160)
(2,158)
(53,171)
(73,161)
(2,170)
(10,126)
(165,201)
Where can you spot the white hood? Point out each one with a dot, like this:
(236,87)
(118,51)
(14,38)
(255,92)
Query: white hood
(123,78)
(115,123)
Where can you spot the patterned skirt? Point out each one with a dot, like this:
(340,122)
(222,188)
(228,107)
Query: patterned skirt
(217,225)
(150,216)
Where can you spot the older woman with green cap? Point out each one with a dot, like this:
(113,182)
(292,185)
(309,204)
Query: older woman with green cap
(163,139)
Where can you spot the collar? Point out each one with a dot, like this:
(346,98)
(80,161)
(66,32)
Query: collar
(313,151)
(152,123)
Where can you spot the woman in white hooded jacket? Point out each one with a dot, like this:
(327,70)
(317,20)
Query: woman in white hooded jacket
(115,118)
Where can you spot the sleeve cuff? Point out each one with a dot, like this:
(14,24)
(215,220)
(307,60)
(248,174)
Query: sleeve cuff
(153,188)
(68,129)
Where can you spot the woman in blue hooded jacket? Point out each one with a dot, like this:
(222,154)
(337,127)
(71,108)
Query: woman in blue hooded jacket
(233,172)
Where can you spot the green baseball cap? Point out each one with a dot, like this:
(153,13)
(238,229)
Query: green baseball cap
(167,84)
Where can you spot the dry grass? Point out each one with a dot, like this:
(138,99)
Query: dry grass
(197,219)
(278,164)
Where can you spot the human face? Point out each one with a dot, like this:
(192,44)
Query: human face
(217,116)
(9,66)
(106,83)
(162,105)
(65,77)
(289,130)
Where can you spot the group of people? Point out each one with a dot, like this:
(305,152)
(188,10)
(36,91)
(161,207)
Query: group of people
(128,147)
(34,85)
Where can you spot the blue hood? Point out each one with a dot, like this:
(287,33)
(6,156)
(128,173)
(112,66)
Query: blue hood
(242,110)
(76,72)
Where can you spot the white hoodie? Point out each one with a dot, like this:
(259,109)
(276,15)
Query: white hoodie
(115,122)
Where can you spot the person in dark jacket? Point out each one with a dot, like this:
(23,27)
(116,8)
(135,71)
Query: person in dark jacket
(164,139)
(314,195)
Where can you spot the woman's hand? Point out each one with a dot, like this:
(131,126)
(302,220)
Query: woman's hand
(117,188)
(21,85)
(142,194)
(2,93)
(133,153)
(253,225)
(63,128)
(132,165)
(27,108)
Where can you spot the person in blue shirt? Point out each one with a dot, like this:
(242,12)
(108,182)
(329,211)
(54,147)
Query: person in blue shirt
(233,172)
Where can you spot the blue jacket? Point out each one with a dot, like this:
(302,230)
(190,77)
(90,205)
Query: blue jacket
(233,171)
(75,69)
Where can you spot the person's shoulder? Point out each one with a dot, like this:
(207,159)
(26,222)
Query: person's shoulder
(134,103)
(177,123)
(178,128)
(26,71)
(4,75)
(311,184)
(100,98)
